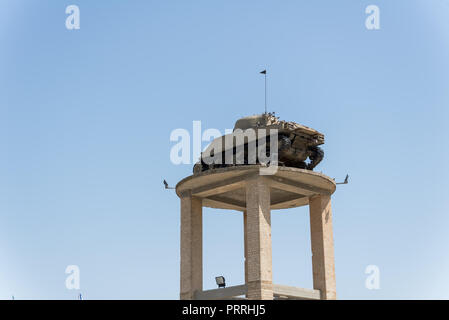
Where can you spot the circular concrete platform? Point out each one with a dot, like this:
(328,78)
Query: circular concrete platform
(224,188)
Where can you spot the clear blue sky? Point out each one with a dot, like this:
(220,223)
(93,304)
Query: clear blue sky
(86,116)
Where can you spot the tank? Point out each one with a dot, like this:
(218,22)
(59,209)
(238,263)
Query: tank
(298,145)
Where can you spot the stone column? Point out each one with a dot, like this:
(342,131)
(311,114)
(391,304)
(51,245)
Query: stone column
(258,239)
(191,246)
(322,246)
(245,246)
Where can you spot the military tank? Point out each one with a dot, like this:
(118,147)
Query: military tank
(298,145)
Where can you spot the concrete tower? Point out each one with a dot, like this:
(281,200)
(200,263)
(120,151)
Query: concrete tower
(242,188)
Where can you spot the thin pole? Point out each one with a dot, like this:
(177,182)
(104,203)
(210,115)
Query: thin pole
(264,72)
(265,92)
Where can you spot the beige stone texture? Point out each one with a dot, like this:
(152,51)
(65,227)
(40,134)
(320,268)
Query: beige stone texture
(258,237)
(322,246)
(191,246)
(245,246)
(241,188)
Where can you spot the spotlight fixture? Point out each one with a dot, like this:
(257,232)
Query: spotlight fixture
(221,282)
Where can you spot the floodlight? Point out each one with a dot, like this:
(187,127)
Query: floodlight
(221,282)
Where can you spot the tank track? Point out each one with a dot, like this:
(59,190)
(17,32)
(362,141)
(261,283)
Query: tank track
(316,154)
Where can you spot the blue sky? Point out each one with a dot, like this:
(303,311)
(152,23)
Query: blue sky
(86,116)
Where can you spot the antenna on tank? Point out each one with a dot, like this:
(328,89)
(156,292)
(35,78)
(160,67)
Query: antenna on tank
(264,72)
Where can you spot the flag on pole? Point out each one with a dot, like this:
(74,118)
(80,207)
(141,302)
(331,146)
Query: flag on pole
(263,72)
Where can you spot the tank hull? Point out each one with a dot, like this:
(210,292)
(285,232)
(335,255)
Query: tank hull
(297,145)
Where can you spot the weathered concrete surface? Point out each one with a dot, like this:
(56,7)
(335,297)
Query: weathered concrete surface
(258,239)
(245,245)
(288,292)
(279,292)
(225,188)
(322,246)
(242,188)
(191,246)
(221,293)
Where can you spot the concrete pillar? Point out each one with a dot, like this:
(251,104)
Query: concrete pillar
(322,246)
(258,238)
(245,246)
(191,246)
